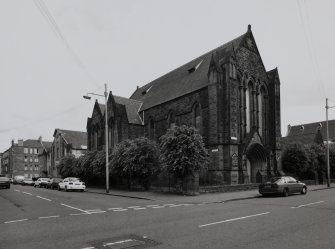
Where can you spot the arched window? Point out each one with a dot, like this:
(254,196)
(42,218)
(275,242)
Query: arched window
(171,120)
(197,117)
(151,129)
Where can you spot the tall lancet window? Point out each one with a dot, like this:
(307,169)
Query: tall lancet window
(151,131)
(171,120)
(247,110)
(197,117)
(260,113)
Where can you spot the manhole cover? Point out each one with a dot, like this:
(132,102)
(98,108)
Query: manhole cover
(123,242)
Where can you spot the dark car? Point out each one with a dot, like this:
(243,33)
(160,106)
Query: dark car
(4,182)
(27,182)
(53,183)
(284,185)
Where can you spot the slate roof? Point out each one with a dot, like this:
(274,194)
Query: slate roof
(78,139)
(307,138)
(312,128)
(180,81)
(47,145)
(31,143)
(132,107)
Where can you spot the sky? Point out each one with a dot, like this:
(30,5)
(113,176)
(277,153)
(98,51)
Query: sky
(54,52)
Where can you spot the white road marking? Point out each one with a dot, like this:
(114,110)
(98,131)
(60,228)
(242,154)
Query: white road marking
(308,204)
(17,190)
(27,193)
(92,247)
(12,221)
(139,208)
(48,217)
(159,207)
(152,205)
(135,207)
(240,218)
(93,210)
(98,212)
(119,210)
(176,205)
(117,242)
(43,198)
(75,208)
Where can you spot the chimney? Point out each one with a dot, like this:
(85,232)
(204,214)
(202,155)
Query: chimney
(20,142)
(40,139)
(12,142)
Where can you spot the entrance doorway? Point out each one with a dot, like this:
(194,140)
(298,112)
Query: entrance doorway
(256,162)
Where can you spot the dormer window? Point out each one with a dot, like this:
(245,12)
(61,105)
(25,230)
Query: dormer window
(192,69)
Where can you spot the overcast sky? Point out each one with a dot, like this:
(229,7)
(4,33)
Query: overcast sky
(53,52)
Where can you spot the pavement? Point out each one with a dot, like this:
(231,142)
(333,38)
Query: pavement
(202,198)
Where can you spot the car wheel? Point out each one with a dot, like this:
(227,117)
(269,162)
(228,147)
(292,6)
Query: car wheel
(58,188)
(304,191)
(285,192)
(81,190)
(66,189)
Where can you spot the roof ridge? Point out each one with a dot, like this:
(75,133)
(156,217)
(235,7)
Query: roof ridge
(128,98)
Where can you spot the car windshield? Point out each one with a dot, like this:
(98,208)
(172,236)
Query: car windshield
(74,180)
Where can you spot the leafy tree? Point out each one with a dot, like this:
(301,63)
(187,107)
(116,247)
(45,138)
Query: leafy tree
(295,159)
(68,166)
(183,151)
(137,159)
(332,160)
(317,158)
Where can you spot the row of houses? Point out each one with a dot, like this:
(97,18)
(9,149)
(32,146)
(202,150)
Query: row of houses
(39,158)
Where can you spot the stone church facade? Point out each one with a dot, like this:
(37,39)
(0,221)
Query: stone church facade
(227,94)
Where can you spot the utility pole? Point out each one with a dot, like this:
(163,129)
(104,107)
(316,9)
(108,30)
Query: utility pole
(327,155)
(106,131)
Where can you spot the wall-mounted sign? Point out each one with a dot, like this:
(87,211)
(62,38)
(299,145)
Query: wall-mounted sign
(233,138)
(215,150)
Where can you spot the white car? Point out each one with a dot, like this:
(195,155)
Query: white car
(41,182)
(71,183)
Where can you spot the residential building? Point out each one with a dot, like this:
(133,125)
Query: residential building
(0,163)
(227,94)
(311,132)
(22,158)
(66,142)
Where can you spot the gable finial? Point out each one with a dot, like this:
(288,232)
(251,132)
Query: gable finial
(249,27)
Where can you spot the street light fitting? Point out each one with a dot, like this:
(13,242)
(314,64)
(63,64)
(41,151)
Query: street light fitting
(86,97)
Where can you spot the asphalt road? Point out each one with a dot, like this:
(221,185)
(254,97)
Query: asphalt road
(41,218)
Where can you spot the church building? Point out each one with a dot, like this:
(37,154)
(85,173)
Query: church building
(226,94)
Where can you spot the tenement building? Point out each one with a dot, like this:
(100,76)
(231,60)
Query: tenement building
(22,158)
(227,94)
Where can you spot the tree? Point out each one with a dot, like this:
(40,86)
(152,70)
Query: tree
(183,151)
(295,159)
(68,166)
(137,159)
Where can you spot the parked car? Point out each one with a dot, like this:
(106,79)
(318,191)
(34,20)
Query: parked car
(53,183)
(41,182)
(18,179)
(4,182)
(284,185)
(27,181)
(71,183)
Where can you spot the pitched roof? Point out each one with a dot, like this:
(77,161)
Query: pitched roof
(31,143)
(188,78)
(102,108)
(78,139)
(307,138)
(132,107)
(47,145)
(312,128)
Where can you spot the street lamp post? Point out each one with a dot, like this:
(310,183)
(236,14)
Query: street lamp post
(328,168)
(106,131)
